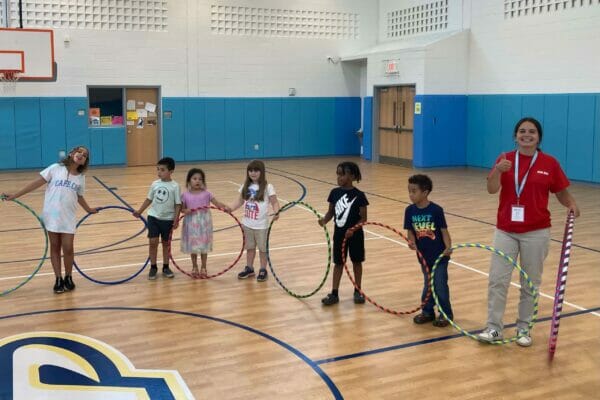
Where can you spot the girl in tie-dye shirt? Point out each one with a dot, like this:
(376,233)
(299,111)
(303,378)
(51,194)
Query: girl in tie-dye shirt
(66,184)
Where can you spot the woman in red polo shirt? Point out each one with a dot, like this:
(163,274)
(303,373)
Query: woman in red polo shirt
(525,178)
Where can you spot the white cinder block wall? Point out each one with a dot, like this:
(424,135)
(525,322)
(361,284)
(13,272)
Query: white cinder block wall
(552,52)
(433,68)
(188,60)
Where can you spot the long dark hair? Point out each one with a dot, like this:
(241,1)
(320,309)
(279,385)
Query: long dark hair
(68,161)
(193,172)
(262,181)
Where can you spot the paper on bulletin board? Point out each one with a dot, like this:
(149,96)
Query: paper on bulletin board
(150,107)
(130,123)
(106,120)
(140,123)
(130,105)
(142,113)
(132,115)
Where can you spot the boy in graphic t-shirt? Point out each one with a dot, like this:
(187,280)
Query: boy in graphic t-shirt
(165,197)
(426,228)
(348,207)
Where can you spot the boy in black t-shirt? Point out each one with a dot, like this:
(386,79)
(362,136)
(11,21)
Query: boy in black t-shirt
(426,228)
(348,206)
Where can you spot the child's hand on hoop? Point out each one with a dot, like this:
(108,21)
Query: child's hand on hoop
(7,197)
(93,210)
(411,245)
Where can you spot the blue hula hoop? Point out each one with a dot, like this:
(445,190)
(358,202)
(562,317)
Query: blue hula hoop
(110,282)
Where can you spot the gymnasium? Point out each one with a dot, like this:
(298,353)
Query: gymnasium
(396,87)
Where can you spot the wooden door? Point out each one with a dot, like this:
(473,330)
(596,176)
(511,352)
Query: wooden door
(142,131)
(396,124)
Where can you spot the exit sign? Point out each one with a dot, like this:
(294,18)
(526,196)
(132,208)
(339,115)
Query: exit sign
(391,67)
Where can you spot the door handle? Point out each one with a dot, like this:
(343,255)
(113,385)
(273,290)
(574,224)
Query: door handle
(394,115)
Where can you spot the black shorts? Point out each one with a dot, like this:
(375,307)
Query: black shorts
(355,245)
(159,227)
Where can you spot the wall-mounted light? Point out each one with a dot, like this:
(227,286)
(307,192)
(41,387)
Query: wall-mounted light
(333,60)
(291,91)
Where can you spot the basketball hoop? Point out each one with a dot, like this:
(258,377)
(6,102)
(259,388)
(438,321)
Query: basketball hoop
(8,82)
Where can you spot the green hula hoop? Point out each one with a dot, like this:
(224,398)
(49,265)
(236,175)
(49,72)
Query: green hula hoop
(43,256)
(291,293)
(536,293)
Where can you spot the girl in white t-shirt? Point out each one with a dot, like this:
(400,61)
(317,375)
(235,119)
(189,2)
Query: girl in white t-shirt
(256,195)
(66,184)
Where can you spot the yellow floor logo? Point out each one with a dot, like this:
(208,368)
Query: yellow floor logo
(57,365)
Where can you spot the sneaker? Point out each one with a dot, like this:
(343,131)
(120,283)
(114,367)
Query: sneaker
(524,340)
(441,322)
(246,273)
(358,298)
(262,275)
(423,318)
(59,285)
(152,274)
(167,273)
(330,299)
(489,335)
(69,284)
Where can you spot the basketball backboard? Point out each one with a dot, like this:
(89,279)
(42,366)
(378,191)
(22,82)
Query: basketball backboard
(29,52)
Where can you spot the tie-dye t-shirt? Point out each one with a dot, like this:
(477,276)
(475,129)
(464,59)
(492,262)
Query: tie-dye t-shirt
(60,202)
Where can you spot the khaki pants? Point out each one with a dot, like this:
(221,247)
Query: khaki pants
(532,247)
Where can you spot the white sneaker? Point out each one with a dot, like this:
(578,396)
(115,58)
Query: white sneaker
(489,335)
(524,339)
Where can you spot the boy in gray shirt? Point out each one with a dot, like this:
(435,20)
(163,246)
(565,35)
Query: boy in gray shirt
(165,197)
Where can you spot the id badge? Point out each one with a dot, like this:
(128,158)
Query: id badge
(518,213)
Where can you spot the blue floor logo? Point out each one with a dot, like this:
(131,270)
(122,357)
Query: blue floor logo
(57,365)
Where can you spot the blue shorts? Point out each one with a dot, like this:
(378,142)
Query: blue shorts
(159,227)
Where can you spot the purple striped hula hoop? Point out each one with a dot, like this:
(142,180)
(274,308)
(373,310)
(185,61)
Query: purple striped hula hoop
(561,283)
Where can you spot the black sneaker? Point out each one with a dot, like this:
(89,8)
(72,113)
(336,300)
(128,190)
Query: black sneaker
(69,284)
(262,275)
(168,273)
(59,285)
(441,322)
(152,274)
(358,298)
(423,318)
(246,273)
(330,299)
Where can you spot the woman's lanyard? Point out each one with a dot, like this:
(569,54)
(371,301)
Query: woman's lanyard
(518,211)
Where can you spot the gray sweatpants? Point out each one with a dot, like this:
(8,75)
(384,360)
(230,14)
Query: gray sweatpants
(533,249)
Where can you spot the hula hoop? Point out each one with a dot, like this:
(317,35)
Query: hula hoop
(561,283)
(37,268)
(110,282)
(327,237)
(239,224)
(419,256)
(536,293)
